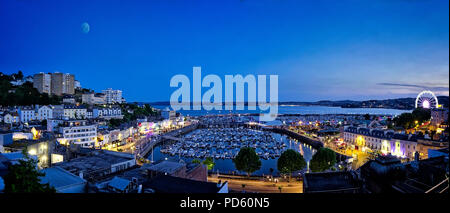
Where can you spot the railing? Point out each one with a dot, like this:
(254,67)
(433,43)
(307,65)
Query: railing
(439,184)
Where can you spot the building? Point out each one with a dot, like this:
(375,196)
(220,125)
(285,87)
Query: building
(77,84)
(168,114)
(378,175)
(113,96)
(191,171)
(68,99)
(79,132)
(57,111)
(331,182)
(121,185)
(63,181)
(45,113)
(387,174)
(74,111)
(171,184)
(381,141)
(107,112)
(99,164)
(40,148)
(62,83)
(11,118)
(439,116)
(6,138)
(27,113)
(93,98)
(42,82)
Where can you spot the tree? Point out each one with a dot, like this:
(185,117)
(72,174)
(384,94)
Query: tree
(408,120)
(196,161)
(25,178)
(115,122)
(324,159)
(421,115)
(290,161)
(247,160)
(209,162)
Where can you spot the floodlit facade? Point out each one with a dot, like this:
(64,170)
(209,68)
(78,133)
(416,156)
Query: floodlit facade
(78,132)
(113,96)
(386,142)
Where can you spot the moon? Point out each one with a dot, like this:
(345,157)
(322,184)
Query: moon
(85,28)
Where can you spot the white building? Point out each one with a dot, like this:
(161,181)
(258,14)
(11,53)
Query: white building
(11,118)
(77,84)
(74,112)
(386,142)
(57,111)
(78,132)
(45,113)
(93,98)
(27,113)
(69,99)
(168,114)
(107,112)
(113,96)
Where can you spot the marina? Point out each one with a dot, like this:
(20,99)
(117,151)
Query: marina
(223,144)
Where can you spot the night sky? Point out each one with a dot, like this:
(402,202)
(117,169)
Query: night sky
(326,50)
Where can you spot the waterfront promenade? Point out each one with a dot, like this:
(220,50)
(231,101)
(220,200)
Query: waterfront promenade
(258,185)
(145,144)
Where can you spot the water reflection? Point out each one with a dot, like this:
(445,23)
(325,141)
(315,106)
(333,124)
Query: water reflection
(227,165)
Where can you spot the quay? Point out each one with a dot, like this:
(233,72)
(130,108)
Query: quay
(313,143)
(146,144)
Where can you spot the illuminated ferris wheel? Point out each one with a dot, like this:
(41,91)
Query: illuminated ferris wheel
(426,99)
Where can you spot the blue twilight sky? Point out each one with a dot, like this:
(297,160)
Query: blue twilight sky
(320,49)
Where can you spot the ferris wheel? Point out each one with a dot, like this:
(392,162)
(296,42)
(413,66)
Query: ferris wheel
(426,99)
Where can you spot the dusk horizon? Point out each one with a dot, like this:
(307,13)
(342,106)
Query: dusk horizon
(360,51)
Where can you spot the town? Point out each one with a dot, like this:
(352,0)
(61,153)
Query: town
(82,141)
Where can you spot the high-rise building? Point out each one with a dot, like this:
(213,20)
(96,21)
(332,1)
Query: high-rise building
(42,82)
(62,83)
(113,96)
(57,79)
(68,84)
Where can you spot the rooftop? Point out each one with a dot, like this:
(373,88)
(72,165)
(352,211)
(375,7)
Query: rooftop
(170,184)
(329,181)
(96,160)
(60,178)
(119,183)
(168,167)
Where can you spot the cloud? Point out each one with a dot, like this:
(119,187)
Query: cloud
(432,88)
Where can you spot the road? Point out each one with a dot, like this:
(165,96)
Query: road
(260,186)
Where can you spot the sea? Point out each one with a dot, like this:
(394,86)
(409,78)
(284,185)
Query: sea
(293,109)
